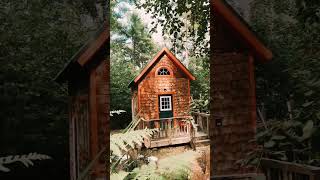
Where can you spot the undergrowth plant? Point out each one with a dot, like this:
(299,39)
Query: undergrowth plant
(178,167)
(200,105)
(121,157)
(121,144)
(284,140)
(26,160)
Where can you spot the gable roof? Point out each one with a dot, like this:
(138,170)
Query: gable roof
(84,55)
(241,28)
(164,51)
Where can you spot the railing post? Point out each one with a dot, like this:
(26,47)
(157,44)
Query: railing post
(285,174)
(290,175)
(312,177)
(200,122)
(208,126)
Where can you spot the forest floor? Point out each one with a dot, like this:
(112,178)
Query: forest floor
(200,159)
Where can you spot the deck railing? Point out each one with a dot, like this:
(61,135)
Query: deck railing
(202,121)
(174,127)
(280,170)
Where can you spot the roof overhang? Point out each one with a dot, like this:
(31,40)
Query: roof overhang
(164,51)
(241,28)
(85,54)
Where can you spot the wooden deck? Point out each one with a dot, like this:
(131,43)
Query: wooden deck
(178,130)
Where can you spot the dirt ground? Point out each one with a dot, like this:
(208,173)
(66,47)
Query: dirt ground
(200,164)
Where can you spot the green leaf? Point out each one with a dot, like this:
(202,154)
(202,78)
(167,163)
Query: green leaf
(261,134)
(278,137)
(269,144)
(307,130)
(307,104)
(308,93)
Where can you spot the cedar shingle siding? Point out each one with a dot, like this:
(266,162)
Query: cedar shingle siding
(153,85)
(234,49)
(232,101)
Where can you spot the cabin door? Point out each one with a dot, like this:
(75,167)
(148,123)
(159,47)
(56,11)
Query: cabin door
(165,106)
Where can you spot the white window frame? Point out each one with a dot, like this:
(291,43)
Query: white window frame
(170,103)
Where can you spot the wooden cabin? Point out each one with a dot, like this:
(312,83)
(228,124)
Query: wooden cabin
(87,76)
(161,97)
(234,51)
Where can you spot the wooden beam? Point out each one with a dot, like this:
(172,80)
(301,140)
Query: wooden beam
(93,114)
(252,91)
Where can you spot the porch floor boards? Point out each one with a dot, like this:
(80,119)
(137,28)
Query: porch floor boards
(169,141)
(160,142)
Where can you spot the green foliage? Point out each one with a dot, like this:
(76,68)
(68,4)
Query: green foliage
(200,88)
(276,26)
(119,176)
(121,74)
(38,38)
(185,21)
(122,143)
(286,141)
(26,160)
(289,28)
(200,105)
(293,73)
(130,42)
(131,49)
(141,47)
(176,167)
(308,11)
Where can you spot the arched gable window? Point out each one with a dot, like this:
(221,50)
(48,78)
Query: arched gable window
(163,71)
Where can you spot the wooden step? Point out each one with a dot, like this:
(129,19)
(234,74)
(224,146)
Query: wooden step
(200,138)
(203,142)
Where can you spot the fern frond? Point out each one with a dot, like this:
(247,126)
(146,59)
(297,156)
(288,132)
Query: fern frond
(117,112)
(122,142)
(26,160)
(118,176)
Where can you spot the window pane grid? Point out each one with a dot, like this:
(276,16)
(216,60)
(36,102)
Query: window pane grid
(163,71)
(165,103)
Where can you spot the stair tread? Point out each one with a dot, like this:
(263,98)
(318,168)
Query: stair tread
(203,140)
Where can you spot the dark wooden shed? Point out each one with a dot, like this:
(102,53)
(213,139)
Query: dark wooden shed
(161,93)
(87,76)
(235,49)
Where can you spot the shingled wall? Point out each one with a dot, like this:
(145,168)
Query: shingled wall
(233,102)
(153,85)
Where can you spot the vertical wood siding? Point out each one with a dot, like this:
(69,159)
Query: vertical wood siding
(103,105)
(79,135)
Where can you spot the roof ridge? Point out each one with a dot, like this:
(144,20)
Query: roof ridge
(156,58)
